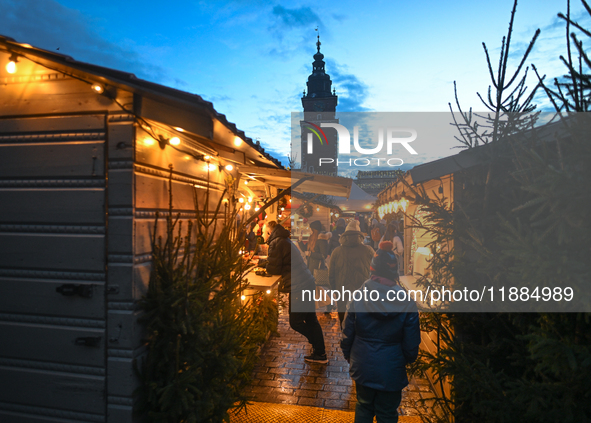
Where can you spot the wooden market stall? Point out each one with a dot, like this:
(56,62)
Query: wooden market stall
(88,154)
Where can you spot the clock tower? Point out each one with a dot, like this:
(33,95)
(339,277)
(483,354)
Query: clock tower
(319,106)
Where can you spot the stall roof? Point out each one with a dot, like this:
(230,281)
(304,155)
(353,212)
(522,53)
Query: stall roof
(358,201)
(179,100)
(318,184)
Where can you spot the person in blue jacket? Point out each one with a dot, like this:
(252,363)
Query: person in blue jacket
(380,336)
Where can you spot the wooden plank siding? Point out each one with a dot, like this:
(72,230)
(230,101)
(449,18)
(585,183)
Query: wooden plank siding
(52,233)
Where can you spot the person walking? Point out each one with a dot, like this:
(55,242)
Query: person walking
(393,235)
(285,259)
(380,337)
(349,264)
(336,235)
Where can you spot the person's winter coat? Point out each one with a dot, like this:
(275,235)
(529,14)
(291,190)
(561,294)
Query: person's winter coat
(318,256)
(285,259)
(380,337)
(349,263)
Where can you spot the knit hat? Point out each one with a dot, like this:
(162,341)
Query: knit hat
(384,262)
(316,225)
(353,226)
(341,222)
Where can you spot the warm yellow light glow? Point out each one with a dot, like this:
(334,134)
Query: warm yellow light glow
(246,182)
(336,214)
(225,200)
(97,88)
(331,213)
(241,200)
(211,167)
(290,200)
(268,291)
(149,141)
(317,209)
(257,208)
(229,167)
(243,297)
(247,207)
(11,67)
(174,141)
(250,199)
(206,158)
(179,129)
(404,204)
(237,141)
(282,208)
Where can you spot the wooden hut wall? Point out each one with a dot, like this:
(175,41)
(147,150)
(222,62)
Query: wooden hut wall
(79,190)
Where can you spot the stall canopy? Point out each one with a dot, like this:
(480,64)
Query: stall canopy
(283,179)
(358,200)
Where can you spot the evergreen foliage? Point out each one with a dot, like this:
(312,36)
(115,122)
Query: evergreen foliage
(522,220)
(202,339)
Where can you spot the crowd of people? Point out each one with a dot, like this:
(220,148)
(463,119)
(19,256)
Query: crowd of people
(379,336)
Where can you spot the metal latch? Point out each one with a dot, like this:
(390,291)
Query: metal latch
(88,341)
(69,289)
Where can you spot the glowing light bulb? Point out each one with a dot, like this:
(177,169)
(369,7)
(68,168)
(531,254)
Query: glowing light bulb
(243,297)
(247,207)
(317,208)
(241,200)
(268,291)
(245,182)
(229,168)
(237,141)
(257,208)
(179,129)
(206,158)
(99,89)
(174,141)
(11,67)
(149,141)
(250,199)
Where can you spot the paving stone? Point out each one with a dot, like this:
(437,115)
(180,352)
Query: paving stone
(315,402)
(305,393)
(339,404)
(273,383)
(329,395)
(335,388)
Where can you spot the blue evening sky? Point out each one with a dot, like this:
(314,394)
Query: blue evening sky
(252,58)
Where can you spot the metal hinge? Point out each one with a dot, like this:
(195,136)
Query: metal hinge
(69,289)
(88,341)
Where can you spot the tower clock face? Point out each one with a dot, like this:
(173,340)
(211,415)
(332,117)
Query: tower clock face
(319,106)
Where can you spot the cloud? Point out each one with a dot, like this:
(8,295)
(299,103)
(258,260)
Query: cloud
(351,90)
(49,25)
(292,29)
(295,18)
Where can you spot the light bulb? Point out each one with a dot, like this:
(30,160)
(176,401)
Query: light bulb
(11,67)
(211,167)
(245,182)
(98,88)
(243,297)
(237,141)
(257,208)
(174,141)
(149,141)
(247,207)
(241,200)
(229,167)
(268,291)
(250,199)
(206,158)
